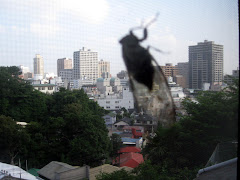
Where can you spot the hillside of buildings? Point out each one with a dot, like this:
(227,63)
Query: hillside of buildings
(37,129)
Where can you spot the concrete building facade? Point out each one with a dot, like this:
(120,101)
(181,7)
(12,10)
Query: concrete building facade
(116,102)
(183,69)
(85,64)
(62,64)
(66,74)
(38,65)
(205,64)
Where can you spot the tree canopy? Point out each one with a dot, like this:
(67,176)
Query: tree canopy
(65,126)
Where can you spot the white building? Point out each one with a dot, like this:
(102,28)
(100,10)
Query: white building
(24,69)
(8,171)
(66,74)
(85,64)
(45,88)
(117,101)
(176,92)
(38,65)
(78,83)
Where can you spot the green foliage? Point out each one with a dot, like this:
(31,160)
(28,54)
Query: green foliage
(65,126)
(146,171)
(13,139)
(185,147)
(116,143)
(117,175)
(17,98)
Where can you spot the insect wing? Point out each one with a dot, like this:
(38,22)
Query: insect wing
(158,102)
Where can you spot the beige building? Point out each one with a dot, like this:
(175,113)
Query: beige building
(103,67)
(181,80)
(38,65)
(85,64)
(169,70)
(62,64)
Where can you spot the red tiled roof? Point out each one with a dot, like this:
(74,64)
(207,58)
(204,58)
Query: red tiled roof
(129,149)
(130,159)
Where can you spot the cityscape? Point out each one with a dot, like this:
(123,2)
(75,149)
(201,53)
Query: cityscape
(203,71)
(70,109)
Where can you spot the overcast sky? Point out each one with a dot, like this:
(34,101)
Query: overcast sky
(56,28)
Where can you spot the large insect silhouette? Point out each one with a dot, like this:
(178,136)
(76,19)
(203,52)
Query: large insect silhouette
(147,81)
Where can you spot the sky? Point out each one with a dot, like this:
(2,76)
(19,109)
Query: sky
(56,28)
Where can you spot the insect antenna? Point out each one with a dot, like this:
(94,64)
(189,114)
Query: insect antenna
(148,24)
(152,21)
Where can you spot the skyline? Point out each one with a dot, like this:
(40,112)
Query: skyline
(56,29)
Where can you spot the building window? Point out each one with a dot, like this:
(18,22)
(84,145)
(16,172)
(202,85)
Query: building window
(116,101)
(50,88)
(107,102)
(43,88)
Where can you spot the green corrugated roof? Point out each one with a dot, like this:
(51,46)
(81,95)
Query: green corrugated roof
(43,85)
(33,171)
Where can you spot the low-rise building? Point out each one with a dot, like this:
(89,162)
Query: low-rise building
(117,101)
(45,88)
(110,119)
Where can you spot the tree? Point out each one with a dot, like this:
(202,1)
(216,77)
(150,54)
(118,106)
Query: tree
(63,126)
(187,145)
(116,175)
(116,143)
(13,139)
(146,171)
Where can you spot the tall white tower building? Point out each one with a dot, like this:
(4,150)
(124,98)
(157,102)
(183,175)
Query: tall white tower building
(38,65)
(85,64)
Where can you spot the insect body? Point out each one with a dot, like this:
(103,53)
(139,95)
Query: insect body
(138,59)
(147,81)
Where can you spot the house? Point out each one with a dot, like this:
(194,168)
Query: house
(127,120)
(62,171)
(129,159)
(106,168)
(11,172)
(120,124)
(222,164)
(129,128)
(223,170)
(110,119)
(45,88)
(129,149)
(59,171)
(132,141)
(136,134)
(147,121)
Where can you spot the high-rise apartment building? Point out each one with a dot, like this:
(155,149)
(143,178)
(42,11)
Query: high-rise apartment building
(85,64)
(103,67)
(64,63)
(38,65)
(205,64)
(169,70)
(183,70)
